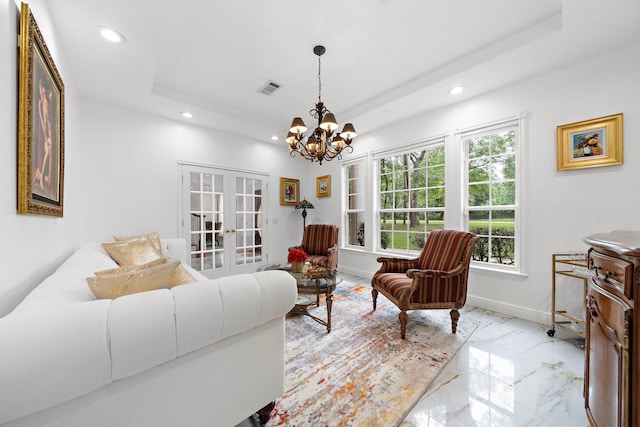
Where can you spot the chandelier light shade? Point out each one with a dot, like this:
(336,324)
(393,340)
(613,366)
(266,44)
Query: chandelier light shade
(323,143)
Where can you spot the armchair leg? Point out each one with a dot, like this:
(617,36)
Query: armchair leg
(403,323)
(374,295)
(455,315)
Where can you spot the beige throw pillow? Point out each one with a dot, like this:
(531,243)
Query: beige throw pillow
(127,281)
(133,252)
(154,237)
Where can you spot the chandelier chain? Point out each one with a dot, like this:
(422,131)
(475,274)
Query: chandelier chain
(319,81)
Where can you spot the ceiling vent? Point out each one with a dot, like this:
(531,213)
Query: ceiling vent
(269,87)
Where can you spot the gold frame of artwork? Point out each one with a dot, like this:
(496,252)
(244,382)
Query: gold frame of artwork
(323,186)
(590,143)
(289,191)
(40,124)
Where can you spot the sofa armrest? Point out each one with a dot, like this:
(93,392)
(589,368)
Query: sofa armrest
(52,355)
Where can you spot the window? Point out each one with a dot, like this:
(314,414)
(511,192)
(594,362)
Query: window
(411,196)
(491,198)
(355,204)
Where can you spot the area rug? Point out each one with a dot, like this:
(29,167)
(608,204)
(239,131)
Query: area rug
(362,373)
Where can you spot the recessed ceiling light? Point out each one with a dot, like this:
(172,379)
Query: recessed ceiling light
(456,90)
(274,138)
(111,35)
(187,115)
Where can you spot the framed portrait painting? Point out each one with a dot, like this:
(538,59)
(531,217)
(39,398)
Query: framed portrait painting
(591,143)
(289,191)
(40,124)
(323,186)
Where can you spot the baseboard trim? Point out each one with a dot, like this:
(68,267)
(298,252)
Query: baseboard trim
(510,309)
(513,310)
(355,272)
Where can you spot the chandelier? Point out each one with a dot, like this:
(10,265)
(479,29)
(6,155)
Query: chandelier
(322,144)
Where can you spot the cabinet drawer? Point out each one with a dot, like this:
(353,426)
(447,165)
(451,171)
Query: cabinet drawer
(613,274)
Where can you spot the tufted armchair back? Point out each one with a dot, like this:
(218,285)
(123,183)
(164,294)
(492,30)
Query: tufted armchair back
(444,249)
(317,238)
(320,242)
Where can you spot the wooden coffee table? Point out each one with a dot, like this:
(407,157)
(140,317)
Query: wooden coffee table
(317,286)
(321,282)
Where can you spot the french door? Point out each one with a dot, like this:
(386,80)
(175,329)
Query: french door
(222,213)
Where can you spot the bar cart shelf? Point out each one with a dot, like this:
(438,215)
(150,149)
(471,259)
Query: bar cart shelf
(572,265)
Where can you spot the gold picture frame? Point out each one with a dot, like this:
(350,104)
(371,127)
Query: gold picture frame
(590,143)
(40,124)
(289,191)
(323,186)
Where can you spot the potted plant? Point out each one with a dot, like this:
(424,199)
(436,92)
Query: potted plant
(296,257)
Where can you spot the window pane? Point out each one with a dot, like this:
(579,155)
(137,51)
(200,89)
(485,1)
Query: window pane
(409,184)
(503,167)
(502,250)
(355,201)
(436,197)
(479,170)
(435,156)
(385,240)
(503,194)
(478,194)
(401,199)
(207,183)
(356,229)
(399,181)
(478,147)
(418,199)
(436,220)
(503,143)
(195,202)
(436,176)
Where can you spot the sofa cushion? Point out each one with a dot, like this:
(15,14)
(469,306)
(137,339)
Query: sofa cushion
(133,279)
(142,332)
(133,252)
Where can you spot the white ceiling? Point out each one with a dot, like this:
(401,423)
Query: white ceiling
(386,59)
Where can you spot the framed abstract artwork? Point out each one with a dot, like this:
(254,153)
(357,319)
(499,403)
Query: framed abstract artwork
(591,143)
(323,186)
(289,191)
(40,124)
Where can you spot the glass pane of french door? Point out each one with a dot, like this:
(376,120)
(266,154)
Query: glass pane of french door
(248,223)
(206,195)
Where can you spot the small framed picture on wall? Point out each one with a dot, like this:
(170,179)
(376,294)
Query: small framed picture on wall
(289,191)
(590,143)
(323,186)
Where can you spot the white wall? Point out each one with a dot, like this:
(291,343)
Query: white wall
(562,207)
(33,246)
(130,174)
(121,172)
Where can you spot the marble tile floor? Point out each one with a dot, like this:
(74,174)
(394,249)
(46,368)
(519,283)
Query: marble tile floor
(509,373)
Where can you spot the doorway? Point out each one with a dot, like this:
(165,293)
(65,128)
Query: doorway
(222,219)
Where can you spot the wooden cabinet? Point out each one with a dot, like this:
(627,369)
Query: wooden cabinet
(612,364)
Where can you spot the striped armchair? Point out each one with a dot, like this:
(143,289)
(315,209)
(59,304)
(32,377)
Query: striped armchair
(435,280)
(320,242)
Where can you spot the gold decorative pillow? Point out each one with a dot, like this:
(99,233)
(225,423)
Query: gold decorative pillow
(133,280)
(132,267)
(154,237)
(133,252)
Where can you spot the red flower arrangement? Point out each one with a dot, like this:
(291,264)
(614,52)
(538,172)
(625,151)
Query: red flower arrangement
(297,255)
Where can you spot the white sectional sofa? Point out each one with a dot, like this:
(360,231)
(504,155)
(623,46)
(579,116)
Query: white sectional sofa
(208,353)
